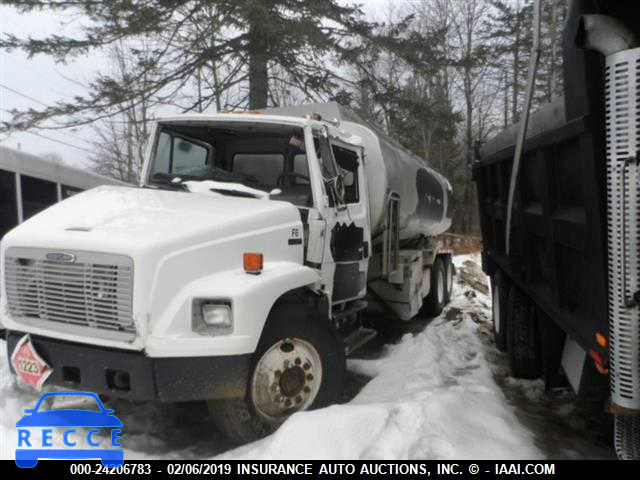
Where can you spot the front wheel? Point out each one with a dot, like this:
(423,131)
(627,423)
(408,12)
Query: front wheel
(299,365)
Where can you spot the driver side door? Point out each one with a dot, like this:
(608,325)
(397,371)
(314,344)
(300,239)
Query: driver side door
(346,248)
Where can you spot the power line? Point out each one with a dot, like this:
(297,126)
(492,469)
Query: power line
(60,142)
(53,139)
(23,95)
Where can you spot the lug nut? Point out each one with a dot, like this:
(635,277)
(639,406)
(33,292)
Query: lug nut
(306,389)
(287,402)
(309,376)
(298,361)
(306,366)
(298,399)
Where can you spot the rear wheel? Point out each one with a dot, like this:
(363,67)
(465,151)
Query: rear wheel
(448,278)
(499,294)
(522,338)
(627,437)
(435,301)
(299,364)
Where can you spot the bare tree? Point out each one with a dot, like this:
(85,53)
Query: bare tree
(121,139)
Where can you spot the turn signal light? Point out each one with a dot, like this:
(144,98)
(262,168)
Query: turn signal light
(252,262)
(602,340)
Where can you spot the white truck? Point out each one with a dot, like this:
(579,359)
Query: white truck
(238,273)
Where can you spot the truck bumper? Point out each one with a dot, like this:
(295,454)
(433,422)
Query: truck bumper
(134,376)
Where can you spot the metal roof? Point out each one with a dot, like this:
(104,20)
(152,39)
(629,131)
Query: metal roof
(34,166)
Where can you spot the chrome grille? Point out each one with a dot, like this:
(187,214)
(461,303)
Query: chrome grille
(91,295)
(623,210)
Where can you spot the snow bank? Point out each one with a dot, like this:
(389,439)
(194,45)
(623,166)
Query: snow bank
(432,396)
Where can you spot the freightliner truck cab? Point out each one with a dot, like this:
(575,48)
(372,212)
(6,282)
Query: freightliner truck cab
(238,271)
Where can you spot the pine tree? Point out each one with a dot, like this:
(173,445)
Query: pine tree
(249,39)
(510,28)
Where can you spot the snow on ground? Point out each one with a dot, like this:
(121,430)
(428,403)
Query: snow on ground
(431,396)
(439,391)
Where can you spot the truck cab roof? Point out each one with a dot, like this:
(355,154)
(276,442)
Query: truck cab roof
(258,117)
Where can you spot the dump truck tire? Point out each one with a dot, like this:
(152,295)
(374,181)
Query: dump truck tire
(499,295)
(522,337)
(627,437)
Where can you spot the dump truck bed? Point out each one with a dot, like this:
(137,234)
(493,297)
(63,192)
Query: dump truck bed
(558,242)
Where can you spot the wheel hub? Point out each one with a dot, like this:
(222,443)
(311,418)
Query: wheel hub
(286,379)
(292,381)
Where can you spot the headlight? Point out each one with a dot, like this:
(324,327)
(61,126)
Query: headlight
(212,317)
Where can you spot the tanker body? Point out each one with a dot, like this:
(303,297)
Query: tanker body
(390,169)
(250,254)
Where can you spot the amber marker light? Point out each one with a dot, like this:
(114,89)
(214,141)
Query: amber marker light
(252,262)
(602,340)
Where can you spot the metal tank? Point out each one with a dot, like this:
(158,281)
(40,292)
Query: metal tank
(424,194)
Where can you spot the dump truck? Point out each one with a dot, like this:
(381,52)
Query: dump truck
(560,219)
(241,270)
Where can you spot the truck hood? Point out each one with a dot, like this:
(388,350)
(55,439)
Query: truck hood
(128,220)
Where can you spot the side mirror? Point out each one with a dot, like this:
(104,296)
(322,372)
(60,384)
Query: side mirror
(184,146)
(348,178)
(275,191)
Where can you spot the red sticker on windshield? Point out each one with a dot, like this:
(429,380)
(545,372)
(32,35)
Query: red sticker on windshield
(28,364)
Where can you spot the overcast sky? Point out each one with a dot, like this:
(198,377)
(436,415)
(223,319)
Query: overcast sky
(39,81)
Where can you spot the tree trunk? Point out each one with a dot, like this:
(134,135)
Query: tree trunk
(554,49)
(516,65)
(258,71)
(505,113)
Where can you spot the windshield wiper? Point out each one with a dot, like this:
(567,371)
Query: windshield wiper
(163,180)
(226,188)
(234,193)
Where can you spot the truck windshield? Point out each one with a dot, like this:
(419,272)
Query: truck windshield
(260,156)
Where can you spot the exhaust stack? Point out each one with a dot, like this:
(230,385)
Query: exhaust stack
(604,34)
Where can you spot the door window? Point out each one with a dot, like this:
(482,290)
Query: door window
(180,156)
(347,161)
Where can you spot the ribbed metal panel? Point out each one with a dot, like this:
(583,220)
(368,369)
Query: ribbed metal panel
(623,210)
(93,292)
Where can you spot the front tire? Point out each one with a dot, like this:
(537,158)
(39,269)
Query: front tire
(299,365)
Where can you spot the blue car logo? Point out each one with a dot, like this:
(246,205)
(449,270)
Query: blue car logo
(32,447)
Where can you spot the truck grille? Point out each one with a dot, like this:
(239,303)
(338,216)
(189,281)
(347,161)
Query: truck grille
(89,293)
(623,211)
